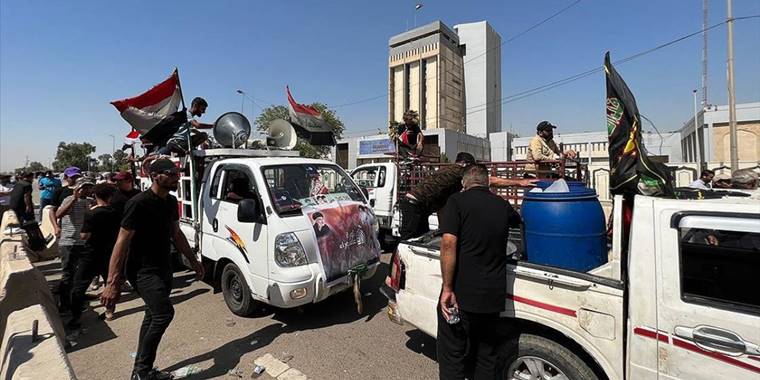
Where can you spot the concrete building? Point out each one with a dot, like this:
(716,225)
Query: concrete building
(714,136)
(481,45)
(426,74)
(352,151)
(501,145)
(593,146)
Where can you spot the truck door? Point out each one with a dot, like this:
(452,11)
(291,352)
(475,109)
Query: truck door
(243,243)
(708,313)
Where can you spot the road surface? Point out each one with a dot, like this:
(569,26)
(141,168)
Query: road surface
(328,340)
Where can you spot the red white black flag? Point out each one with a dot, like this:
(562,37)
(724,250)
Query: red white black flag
(309,122)
(157,107)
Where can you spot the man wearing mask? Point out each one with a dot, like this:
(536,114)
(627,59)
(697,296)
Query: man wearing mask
(543,148)
(70,245)
(149,224)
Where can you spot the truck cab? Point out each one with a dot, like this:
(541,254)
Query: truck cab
(274,228)
(680,303)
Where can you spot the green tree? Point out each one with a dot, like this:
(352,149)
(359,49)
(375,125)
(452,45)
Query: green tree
(307,150)
(106,162)
(120,160)
(36,166)
(73,154)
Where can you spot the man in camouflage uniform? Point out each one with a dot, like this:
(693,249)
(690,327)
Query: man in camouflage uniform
(432,192)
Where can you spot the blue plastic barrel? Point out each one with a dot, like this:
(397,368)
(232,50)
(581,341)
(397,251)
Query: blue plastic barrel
(565,230)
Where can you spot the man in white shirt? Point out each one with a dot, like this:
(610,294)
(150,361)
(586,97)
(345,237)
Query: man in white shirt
(705,180)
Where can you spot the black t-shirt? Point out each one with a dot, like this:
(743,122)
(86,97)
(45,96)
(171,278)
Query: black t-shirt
(480,220)
(16,202)
(412,130)
(151,218)
(103,225)
(120,198)
(61,194)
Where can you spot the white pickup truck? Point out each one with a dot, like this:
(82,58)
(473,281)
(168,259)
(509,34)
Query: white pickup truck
(276,228)
(682,303)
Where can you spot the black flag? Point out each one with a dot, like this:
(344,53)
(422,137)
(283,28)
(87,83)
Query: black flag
(631,169)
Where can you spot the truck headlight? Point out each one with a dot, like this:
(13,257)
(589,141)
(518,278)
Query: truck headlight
(288,251)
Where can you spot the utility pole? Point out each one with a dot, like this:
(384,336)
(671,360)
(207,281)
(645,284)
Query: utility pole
(731,89)
(242,100)
(697,125)
(704,54)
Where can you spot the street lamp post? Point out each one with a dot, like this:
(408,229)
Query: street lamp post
(113,149)
(244,96)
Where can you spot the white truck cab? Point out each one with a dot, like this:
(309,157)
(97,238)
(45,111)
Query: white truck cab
(381,182)
(277,229)
(683,301)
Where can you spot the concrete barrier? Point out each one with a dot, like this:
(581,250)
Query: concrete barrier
(28,357)
(23,285)
(48,231)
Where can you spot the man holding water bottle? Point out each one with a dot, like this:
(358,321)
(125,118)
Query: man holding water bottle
(475,226)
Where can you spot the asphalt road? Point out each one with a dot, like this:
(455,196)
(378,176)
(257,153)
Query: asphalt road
(328,340)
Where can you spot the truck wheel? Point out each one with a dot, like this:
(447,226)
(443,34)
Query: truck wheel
(237,295)
(534,357)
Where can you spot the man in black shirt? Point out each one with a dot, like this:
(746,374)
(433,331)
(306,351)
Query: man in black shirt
(475,230)
(126,190)
(21,198)
(149,224)
(99,231)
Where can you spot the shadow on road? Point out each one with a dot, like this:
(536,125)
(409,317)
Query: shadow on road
(421,343)
(227,356)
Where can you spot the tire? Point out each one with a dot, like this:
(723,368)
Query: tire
(528,355)
(236,293)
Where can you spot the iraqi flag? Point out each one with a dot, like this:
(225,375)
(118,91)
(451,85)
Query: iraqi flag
(631,169)
(154,114)
(309,123)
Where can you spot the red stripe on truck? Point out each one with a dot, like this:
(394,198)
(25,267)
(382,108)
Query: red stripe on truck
(541,305)
(651,334)
(724,358)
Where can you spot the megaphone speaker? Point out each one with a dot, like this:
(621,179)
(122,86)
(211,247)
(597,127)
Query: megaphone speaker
(281,134)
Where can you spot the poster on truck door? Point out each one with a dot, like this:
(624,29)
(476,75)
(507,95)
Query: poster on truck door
(345,237)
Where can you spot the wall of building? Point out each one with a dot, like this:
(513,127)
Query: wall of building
(501,146)
(482,72)
(714,140)
(426,74)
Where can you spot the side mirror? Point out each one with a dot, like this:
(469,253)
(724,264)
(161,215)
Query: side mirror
(364,191)
(248,211)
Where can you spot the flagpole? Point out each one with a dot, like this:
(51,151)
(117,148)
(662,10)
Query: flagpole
(193,197)
(132,168)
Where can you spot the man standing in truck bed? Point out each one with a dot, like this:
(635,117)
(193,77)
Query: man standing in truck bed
(433,192)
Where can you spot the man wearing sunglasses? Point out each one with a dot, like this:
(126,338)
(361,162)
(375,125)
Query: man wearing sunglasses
(149,224)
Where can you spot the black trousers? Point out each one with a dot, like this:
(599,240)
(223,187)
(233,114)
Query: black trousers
(69,255)
(89,266)
(468,348)
(154,288)
(414,219)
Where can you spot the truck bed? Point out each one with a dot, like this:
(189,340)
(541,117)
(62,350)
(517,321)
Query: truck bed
(584,307)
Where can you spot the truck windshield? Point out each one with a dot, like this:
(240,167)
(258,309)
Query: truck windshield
(294,186)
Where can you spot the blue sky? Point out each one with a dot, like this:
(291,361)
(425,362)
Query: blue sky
(62,62)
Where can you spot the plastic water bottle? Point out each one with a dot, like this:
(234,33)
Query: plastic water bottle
(453,316)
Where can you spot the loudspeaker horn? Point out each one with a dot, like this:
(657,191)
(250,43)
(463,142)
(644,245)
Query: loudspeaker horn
(281,134)
(231,130)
